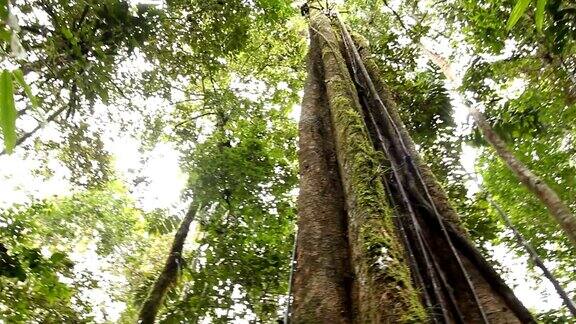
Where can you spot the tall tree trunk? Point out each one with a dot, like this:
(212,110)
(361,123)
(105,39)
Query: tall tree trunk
(557,208)
(381,290)
(364,184)
(322,274)
(169,273)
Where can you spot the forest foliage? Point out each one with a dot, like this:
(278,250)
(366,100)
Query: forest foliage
(219,83)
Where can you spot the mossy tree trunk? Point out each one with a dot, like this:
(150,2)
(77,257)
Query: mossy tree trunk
(322,238)
(334,116)
(169,273)
(359,258)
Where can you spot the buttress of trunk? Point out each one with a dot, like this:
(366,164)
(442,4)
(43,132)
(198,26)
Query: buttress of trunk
(322,275)
(409,258)
(170,271)
(496,298)
(381,289)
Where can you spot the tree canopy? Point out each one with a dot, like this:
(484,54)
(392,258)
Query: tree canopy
(116,114)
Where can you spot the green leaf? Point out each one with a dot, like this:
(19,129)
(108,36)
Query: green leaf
(19,77)
(5,35)
(517,12)
(540,9)
(57,257)
(69,35)
(4,10)
(7,111)
(104,96)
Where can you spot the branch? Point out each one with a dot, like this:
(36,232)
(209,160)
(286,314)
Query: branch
(194,118)
(37,128)
(569,72)
(534,256)
(38,30)
(82,17)
(50,11)
(170,271)
(398,17)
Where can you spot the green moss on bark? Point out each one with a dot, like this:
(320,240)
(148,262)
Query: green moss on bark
(385,292)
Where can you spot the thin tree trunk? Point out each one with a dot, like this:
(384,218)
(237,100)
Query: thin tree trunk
(291,280)
(170,271)
(539,187)
(534,256)
(557,208)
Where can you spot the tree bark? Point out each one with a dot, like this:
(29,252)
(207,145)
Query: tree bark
(322,275)
(170,271)
(351,216)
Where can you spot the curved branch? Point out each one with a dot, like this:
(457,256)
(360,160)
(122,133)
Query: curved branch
(37,128)
(534,256)
(194,118)
(170,271)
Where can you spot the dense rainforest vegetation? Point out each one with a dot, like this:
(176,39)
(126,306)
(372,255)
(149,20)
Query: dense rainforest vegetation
(150,150)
